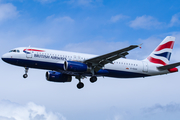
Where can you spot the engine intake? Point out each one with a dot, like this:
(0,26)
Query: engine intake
(75,66)
(57,77)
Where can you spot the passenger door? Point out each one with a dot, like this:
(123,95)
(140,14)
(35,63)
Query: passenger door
(145,66)
(28,52)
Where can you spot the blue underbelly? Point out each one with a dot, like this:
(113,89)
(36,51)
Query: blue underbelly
(58,66)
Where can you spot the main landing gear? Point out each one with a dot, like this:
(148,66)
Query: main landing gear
(26,71)
(81,85)
(93,79)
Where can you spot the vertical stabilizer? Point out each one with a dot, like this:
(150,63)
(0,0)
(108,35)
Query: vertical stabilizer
(161,55)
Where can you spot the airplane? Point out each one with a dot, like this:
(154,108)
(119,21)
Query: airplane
(63,65)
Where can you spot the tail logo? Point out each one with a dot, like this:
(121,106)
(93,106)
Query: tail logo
(162,54)
(168,45)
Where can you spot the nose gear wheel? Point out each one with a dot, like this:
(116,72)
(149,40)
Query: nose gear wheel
(26,71)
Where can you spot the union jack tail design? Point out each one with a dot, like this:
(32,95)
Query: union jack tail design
(161,55)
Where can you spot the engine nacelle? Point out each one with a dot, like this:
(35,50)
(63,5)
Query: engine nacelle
(75,66)
(58,77)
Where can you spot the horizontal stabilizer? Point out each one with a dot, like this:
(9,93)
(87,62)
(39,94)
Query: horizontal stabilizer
(166,67)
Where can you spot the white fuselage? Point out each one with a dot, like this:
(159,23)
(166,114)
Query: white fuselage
(54,60)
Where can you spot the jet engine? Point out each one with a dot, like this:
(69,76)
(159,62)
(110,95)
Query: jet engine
(75,66)
(58,77)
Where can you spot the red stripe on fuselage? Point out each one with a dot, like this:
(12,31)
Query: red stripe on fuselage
(169,45)
(157,61)
(33,50)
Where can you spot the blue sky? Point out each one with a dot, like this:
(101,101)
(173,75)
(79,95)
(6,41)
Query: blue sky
(88,26)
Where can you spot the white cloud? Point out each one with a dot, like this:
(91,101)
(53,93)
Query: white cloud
(118,17)
(37,35)
(159,111)
(171,107)
(7,11)
(145,22)
(156,112)
(30,111)
(175,20)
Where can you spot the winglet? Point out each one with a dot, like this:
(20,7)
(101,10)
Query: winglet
(140,45)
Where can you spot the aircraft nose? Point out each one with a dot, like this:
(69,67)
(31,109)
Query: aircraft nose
(4,57)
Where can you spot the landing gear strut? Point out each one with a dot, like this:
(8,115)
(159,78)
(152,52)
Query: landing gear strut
(93,78)
(26,71)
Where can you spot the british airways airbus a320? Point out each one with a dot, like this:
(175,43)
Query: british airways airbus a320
(63,65)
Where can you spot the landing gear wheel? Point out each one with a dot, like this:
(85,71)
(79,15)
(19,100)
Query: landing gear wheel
(80,85)
(93,79)
(25,76)
(26,71)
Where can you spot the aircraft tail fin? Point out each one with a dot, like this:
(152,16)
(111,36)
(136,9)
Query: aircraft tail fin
(161,55)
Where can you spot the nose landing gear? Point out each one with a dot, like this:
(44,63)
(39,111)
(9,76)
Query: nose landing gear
(26,71)
(25,75)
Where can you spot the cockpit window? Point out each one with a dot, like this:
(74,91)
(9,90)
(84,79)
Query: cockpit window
(14,51)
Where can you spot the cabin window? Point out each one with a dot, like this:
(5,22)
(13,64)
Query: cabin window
(14,51)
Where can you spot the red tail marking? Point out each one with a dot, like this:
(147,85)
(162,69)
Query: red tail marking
(169,44)
(157,61)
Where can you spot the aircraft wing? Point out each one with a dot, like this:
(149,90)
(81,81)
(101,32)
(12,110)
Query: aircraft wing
(166,67)
(98,62)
